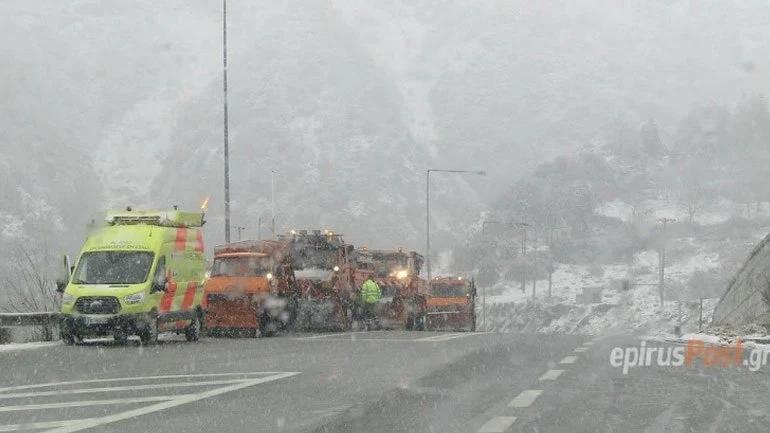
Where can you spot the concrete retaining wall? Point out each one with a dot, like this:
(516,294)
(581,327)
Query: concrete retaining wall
(747,299)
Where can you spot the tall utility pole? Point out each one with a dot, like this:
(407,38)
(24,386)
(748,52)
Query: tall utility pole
(534,266)
(227,149)
(240,229)
(662,257)
(259,228)
(272,201)
(523,226)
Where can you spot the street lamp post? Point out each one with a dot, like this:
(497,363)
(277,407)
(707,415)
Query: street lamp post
(227,149)
(427,210)
(272,200)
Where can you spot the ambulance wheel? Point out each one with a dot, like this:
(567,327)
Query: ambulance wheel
(193,331)
(149,335)
(121,338)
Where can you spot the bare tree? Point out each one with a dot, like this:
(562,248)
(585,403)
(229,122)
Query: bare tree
(30,288)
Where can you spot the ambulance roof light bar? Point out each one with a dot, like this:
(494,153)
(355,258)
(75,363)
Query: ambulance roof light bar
(174,218)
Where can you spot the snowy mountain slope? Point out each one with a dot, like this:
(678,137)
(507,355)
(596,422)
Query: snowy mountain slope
(120,101)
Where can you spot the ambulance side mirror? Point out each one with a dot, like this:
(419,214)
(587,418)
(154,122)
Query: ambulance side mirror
(65,274)
(160,282)
(159,285)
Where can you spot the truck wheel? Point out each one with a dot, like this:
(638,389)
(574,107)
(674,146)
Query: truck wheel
(267,325)
(69,339)
(419,322)
(193,331)
(149,336)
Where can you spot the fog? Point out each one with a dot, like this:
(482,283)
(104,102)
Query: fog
(108,104)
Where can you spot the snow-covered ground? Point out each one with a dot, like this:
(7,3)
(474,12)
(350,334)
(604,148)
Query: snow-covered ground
(636,311)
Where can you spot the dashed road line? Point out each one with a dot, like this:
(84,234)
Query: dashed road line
(497,424)
(551,375)
(525,398)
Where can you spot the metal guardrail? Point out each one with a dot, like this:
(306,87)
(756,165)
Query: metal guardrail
(28,319)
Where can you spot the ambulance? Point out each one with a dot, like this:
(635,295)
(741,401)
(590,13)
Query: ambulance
(142,273)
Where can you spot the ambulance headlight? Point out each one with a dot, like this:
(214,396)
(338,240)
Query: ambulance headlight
(336,269)
(269,276)
(402,274)
(136,298)
(67,299)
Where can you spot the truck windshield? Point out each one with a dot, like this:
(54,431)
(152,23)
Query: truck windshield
(449,290)
(114,267)
(387,264)
(241,267)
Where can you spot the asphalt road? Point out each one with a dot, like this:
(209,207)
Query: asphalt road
(373,382)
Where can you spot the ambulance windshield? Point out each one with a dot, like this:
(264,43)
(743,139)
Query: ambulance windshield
(114,267)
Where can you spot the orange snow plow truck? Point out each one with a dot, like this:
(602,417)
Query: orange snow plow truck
(249,289)
(397,272)
(321,296)
(451,305)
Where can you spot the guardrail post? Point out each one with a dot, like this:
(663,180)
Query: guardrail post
(5,335)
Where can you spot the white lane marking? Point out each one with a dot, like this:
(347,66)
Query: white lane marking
(568,360)
(452,336)
(525,398)
(85,403)
(497,424)
(40,425)
(580,349)
(168,404)
(588,343)
(551,375)
(244,376)
(119,388)
(27,346)
(432,339)
(315,337)
(444,337)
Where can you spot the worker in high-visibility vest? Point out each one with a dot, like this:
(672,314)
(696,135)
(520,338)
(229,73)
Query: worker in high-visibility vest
(370,296)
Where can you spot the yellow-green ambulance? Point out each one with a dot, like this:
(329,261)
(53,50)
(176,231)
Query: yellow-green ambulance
(142,273)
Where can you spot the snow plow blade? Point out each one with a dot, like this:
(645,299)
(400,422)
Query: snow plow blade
(454,321)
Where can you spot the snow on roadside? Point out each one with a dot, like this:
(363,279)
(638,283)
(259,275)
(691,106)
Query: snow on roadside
(12,347)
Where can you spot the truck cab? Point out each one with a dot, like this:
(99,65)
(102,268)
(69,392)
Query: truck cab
(451,304)
(397,272)
(140,274)
(249,288)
